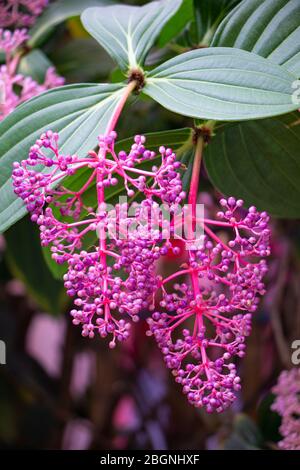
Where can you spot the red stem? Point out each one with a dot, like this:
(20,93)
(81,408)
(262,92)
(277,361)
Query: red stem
(192,200)
(114,119)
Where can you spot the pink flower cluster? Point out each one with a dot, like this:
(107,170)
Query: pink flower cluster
(19,13)
(205,316)
(205,322)
(287,405)
(15,87)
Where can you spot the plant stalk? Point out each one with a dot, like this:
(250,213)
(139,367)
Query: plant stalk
(100,177)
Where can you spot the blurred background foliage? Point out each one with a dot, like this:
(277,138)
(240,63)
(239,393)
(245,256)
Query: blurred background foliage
(59,390)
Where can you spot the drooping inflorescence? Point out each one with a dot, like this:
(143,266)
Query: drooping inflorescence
(287,405)
(204,322)
(20,13)
(18,88)
(111,254)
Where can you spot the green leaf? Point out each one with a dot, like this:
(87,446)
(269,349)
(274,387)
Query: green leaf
(259,162)
(222,84)
(268,28)
(179,140)
(177,23)
(26,262)
(208,15)
(57,13)
(78,112)
(128,32)
(35,64)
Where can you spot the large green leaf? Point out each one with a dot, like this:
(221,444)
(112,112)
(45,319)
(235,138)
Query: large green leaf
(128,32)
(25,259)
(79,112)
(58,12)
(267,27)
(259,162)
(222,84)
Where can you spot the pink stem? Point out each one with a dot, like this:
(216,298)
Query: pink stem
(192,199)
(81,222)
(100,187)
(114,119)
(101,200)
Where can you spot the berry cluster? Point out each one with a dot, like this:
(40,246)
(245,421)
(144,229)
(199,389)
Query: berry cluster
(12,80)
(205,322)
(116,279)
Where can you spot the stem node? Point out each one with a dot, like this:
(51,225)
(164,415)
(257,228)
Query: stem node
(204,132)
(137,76)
